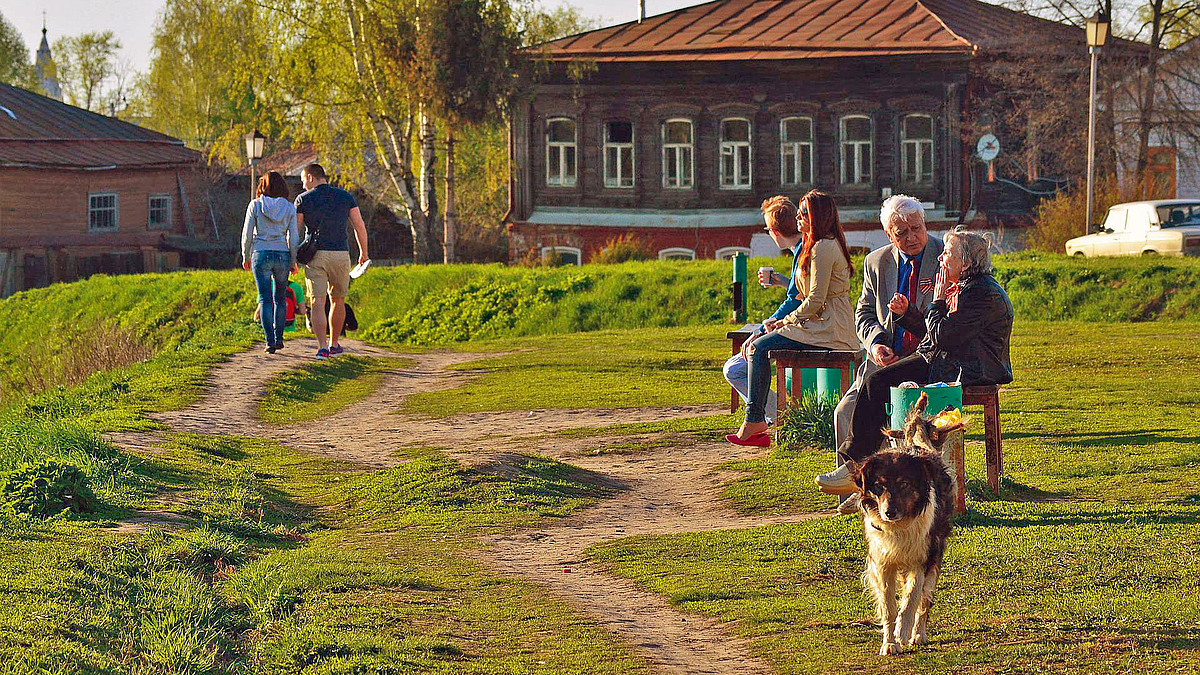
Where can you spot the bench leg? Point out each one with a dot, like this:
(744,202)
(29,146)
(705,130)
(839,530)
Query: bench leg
(734,399)
(781,387)
(954,454)
(847,380)
(991,435)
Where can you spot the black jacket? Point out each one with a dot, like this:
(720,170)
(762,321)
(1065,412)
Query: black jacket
(970,346)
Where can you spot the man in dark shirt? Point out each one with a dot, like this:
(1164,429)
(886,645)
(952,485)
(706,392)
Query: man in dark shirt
(323,211)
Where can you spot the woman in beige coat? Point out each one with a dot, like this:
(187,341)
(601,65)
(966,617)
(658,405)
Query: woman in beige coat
(824,319)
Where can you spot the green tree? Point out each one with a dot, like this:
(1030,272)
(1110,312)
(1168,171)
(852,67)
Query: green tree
(15,68)
(86,63)
(206,81)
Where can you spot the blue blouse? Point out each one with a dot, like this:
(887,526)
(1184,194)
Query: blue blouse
(791,302)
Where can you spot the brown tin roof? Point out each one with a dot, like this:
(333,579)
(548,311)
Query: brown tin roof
(40,132)
(801,29)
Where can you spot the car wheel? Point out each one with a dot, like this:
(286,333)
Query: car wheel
(1150,252)
(1079,254)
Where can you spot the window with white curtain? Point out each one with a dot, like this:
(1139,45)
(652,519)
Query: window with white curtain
(618,154)
(678,167)
(796,151)
(735,154)
(916,149)
(856,150)
(560,152)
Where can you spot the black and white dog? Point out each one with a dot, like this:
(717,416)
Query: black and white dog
(906,501)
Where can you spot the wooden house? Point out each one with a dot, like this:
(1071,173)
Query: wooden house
(674,129)
(81,193)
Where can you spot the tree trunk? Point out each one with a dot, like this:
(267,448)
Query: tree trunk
(1146,109)
(449,218)
(429,200)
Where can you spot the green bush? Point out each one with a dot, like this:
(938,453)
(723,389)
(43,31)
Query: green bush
(621,249)
(806,423)
(47,488)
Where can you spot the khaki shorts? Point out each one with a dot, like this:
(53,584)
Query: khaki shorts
(328,274)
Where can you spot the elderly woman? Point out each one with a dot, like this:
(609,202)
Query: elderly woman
(819,314)
(967,331)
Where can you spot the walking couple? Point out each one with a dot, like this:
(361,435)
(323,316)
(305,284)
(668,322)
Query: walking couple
(271,239)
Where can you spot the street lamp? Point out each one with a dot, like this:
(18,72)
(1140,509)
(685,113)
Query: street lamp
(1097,35)
(254,152)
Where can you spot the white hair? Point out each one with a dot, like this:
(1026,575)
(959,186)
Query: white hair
(902,207)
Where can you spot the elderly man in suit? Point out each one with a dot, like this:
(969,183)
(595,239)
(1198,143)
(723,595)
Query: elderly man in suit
(897,291)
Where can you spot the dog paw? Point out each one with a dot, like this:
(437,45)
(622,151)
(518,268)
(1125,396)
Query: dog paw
(889,648)
(920,639)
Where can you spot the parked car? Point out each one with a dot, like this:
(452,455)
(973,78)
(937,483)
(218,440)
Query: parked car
(1162,227)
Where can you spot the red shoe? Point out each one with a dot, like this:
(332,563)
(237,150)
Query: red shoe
(762,439)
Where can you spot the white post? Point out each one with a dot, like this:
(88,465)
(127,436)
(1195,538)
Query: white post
(1091,158)
(641,10)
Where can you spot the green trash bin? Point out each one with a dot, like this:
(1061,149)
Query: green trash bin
(808,380)
(904,399)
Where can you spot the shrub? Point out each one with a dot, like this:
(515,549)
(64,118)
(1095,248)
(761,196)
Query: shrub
(623,249)
(806,423)
(1061,217)
(207,551)
(47,488)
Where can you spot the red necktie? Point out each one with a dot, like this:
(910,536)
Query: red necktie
(908,343)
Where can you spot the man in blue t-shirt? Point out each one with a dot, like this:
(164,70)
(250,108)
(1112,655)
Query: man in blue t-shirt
(323,211)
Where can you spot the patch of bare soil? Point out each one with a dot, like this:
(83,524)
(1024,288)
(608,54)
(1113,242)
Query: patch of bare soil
(662,488)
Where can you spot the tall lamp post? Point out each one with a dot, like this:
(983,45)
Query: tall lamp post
(254,152)
(1097,35)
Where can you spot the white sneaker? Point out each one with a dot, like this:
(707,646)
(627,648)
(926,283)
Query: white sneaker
(849,505)
(837,482)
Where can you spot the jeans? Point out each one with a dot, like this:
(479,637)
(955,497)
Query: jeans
(270,275)
(761,373)
(869,417)
(737,374)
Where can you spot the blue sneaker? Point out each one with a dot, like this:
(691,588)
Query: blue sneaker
(335,350)
(322,353)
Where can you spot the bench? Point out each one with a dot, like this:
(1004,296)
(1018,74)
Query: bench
(988,396)
(955,449)
(845,361)
(739,338)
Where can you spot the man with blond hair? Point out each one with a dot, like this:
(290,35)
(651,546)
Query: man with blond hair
(897,291)
(779,213)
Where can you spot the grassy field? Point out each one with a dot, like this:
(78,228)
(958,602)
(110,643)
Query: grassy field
(253,558)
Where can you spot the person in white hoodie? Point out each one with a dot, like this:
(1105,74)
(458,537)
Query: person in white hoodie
(270,237)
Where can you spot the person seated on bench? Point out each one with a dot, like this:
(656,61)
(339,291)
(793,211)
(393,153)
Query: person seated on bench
(967,333)
(780,215)
(824,317)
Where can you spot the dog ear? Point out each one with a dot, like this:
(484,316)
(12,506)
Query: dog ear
(921,403)
(855,469)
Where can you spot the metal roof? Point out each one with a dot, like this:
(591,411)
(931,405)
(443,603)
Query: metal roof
(800,29)
(38,131)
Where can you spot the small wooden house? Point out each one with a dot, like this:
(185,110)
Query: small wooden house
(81,193)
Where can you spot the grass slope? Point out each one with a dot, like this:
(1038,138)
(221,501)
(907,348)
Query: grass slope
(324,387)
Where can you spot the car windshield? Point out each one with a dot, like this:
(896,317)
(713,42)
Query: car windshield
(1176,215)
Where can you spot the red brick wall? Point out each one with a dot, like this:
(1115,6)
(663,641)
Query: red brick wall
(55,202)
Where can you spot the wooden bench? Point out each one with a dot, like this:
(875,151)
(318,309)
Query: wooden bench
(954,451)
(739,338)
(845,361)
(988,396)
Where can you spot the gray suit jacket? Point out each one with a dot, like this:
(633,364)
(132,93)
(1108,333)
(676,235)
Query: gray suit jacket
(872,318)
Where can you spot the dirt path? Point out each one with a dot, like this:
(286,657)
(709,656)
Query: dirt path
(659,489)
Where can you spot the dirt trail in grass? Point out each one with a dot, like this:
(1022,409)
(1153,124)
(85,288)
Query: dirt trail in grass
(662,488)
